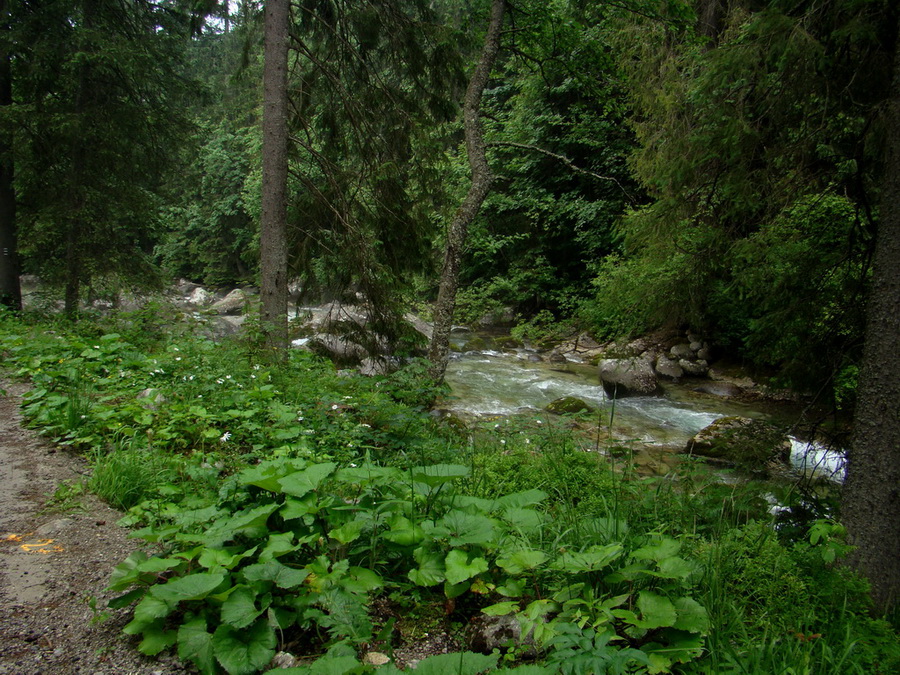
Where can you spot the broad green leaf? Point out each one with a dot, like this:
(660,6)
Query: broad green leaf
(348,532)
(658,550)
(455,590)
(195,645)
(460,568)
(151,608)
(516,562)
(431,568)
(592,559)
(244,652)
(521,499)
(267,474)
(438,474)
(250,521)
(362,580)
(190,587)
(156,640)
(462,663)
(297,508)
(465,528)
(221,557)
(675,568)
(126,572)
(524,519)
(403,532)
(657,611)
(239,610)
(692,616)
(279,544)
(274,571)
(368,474)
(303,482)
(500,608)
(126,599)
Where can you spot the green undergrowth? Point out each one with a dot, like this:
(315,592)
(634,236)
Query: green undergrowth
(306,509)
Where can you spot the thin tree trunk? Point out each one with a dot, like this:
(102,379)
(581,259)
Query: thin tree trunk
(10,291)
(871,498)
(439,350)
(273,223)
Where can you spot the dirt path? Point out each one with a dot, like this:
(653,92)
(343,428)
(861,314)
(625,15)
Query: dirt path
(54,563)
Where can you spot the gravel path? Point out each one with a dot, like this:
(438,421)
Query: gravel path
(55,563)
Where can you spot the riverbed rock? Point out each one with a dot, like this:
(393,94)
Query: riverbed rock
(721,389)
(568,405)
(338,348)
(694,368)
(628,377)
(748,443)
(668,368)
(233,303)
(682,351)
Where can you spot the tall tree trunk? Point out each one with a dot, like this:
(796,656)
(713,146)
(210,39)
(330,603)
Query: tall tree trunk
(10,291)
(439,350)
(273,223)
(871,498)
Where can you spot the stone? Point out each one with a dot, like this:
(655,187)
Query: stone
(376,659)
(199,297)
(628,377)
(682,351)
(233,303)
(503,633)
(696,346)
(337,348)
(567,405)
(721,389)
(694,368)
(748,443)
(666,367)
(704,354)
(284,660)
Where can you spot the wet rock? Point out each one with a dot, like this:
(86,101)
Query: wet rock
(748,443)
(666,367)
(199,297)
(721,389)
(233,303)
(682,351)
(694,368)
(704,353)
(284,660)
(568,405)
(696,346)
(337,348)
(628,377)
(503,633)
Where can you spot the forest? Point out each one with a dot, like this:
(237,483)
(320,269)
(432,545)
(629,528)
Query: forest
(559,170)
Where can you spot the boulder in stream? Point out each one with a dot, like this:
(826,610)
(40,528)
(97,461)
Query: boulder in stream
(748,443)
(568,405)
(628,377)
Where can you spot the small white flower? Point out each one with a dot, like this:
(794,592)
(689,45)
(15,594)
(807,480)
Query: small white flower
(220,381)
(190,377)
(502,442)
(228,377)
(347,398)
(528,440)
(224,438)
(334,407)
(256,366)
(175,349)
(96,346)
(253,377)
(496,426)
(300,418)
(367,426)
(539,422)
(353,465)
(178,358)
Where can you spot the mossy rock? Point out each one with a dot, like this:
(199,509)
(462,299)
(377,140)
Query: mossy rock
(748,443)
(568,405)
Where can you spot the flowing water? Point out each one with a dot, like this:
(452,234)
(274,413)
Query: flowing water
(493,383)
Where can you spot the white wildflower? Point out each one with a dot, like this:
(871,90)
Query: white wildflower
(224,438)
(334,407)
(220,381)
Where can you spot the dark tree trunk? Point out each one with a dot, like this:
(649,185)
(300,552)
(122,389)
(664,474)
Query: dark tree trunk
(10,291)
(871,499)
(439,350)
(273,222)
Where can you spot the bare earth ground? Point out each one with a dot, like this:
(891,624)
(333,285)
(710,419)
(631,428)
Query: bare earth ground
(54,563)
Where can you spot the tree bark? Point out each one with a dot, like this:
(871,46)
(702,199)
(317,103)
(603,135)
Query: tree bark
(871,497)
(10,290)
(439,349)
(273,222)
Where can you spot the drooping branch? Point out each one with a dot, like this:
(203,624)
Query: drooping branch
(562,159)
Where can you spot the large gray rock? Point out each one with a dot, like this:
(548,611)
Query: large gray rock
(695,368)
(502,633)
(338,348)
(682,351)
(233,303)
(568,405)
(628,377)
(666,367)
(748,443)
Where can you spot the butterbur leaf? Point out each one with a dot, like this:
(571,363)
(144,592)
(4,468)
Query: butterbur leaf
(190,587)
(348,532)
(279,544)
(675,568)
(239,610)
(521,499)
(466,528)
(301,483)
(195,645)
(692,616)
(219,557)
(590,560)
(658,550)
(431,568)
(438,474)
(274,571)
(516,562)
(459,567)
(247,651)
(657,611)
(523,519)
